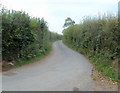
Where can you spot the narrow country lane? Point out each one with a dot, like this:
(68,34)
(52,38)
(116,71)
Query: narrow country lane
(63,70)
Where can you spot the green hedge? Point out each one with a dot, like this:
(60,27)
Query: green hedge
(98,38)
(24,37)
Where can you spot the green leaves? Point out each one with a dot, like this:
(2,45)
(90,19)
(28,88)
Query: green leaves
(24,37)
(98,38)
(96,34)
(68,22)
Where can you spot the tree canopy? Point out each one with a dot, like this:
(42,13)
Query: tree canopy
(68,22)
(24,37)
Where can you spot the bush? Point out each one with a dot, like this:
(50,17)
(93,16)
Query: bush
(98,38)
(24,37)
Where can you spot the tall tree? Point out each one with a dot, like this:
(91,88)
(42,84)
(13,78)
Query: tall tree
(68,22)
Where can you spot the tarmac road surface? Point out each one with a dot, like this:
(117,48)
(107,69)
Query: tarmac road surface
(62,70)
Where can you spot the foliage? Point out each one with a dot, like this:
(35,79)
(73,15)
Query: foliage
(38,57)
(24,37)
(98,38)
(54,36)
(68,22)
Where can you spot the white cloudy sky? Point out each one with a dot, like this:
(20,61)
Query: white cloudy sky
(56,11)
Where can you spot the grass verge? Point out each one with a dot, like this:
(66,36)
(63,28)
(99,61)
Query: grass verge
(101,61)
(37,58)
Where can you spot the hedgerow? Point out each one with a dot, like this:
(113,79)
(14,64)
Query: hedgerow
(24,37)
(98,38)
